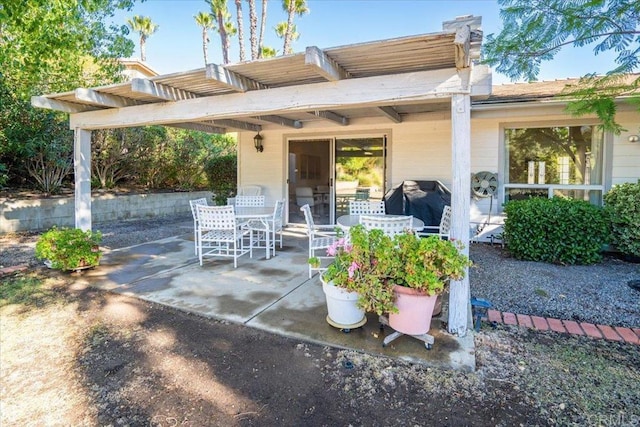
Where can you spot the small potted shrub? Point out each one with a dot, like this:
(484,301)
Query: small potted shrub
(69,249)
(427,266)
(357,280)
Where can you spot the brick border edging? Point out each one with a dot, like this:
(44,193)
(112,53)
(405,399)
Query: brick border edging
(14,269)
(611,333)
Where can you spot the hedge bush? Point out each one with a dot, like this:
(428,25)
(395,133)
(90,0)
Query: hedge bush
(557,230)
(222,173)
(622,204)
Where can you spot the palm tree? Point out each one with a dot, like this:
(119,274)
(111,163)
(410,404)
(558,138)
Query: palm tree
(253,27)
(263,25)
(221,14)
(143,26)
(282,29)
(206,21)
(240,29)
(267,52)
(292,7)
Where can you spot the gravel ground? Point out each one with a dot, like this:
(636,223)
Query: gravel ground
(596,293)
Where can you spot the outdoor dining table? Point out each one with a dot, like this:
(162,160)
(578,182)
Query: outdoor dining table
(261,213)
(347,221)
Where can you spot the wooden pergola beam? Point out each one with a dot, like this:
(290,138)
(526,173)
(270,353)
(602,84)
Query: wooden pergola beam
(103,99)
(331,116)
(199,126)
(462,43)
(322,64)
(231,80)
(350,93)
(282,121)
(391,114)
(237,124)
(54,104)
(160,91)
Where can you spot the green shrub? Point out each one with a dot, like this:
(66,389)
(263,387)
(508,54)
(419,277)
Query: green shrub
(69,248)
(222,175)
(622,204)
(557,230)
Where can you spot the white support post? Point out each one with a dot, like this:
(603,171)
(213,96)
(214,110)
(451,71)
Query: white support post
(82,173)
(460,204)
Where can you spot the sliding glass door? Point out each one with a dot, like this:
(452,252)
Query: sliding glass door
(326,173)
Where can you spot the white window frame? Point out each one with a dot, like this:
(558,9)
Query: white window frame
(551,188)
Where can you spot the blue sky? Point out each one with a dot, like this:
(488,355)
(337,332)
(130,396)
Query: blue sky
(177,45)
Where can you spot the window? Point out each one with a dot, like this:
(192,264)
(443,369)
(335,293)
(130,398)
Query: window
(551,161)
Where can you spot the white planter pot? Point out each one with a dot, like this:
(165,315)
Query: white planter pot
(342,307)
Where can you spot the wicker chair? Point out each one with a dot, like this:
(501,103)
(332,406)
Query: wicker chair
(388,224)
(193,204)
(320,238)
(219,234)
(366,207)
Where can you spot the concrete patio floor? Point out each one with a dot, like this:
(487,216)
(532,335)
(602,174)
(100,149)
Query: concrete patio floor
(274,295)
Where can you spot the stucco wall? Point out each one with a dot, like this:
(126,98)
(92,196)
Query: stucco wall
(41,214)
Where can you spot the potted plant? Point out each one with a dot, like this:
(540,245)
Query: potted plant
(356,281)
(428,264)
(384,271)
(69,248)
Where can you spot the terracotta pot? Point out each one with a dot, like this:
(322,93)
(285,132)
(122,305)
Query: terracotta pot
(415,311)
(342,306)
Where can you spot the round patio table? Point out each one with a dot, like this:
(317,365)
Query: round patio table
(347,221)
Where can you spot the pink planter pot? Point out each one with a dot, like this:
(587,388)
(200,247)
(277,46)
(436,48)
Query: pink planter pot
(415,311)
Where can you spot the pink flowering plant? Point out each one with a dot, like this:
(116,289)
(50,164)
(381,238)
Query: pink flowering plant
(372,263)
(365,263)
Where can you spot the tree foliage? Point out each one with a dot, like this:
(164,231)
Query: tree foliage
(46,47)
(50,46)
(536,30)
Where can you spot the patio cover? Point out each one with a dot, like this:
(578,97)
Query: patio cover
(388,79)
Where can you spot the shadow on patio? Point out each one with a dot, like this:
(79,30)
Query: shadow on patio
(274,295)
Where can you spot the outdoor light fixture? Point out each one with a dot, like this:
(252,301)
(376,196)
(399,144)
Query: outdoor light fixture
(633,138)
(257,141)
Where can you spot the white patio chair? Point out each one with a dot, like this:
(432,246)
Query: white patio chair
(219,234)
(249,201)
(273,226)
(362,194)
(249,190)
(390,225)
(366,207)
(325,192)
(193,203)
(320,238)
(443,230)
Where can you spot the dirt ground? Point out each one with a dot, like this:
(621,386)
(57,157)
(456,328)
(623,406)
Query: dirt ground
(78,356)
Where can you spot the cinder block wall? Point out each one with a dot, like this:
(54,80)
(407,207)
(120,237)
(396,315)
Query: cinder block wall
(42,214)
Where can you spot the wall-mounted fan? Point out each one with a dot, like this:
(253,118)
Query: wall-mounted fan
(484,184)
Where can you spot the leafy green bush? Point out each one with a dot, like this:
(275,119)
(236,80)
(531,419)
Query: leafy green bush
(622,204)
(69,248)
(557,230)
(222,175)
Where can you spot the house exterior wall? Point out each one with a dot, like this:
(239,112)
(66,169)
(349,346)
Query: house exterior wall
(626,155)
(420,148)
